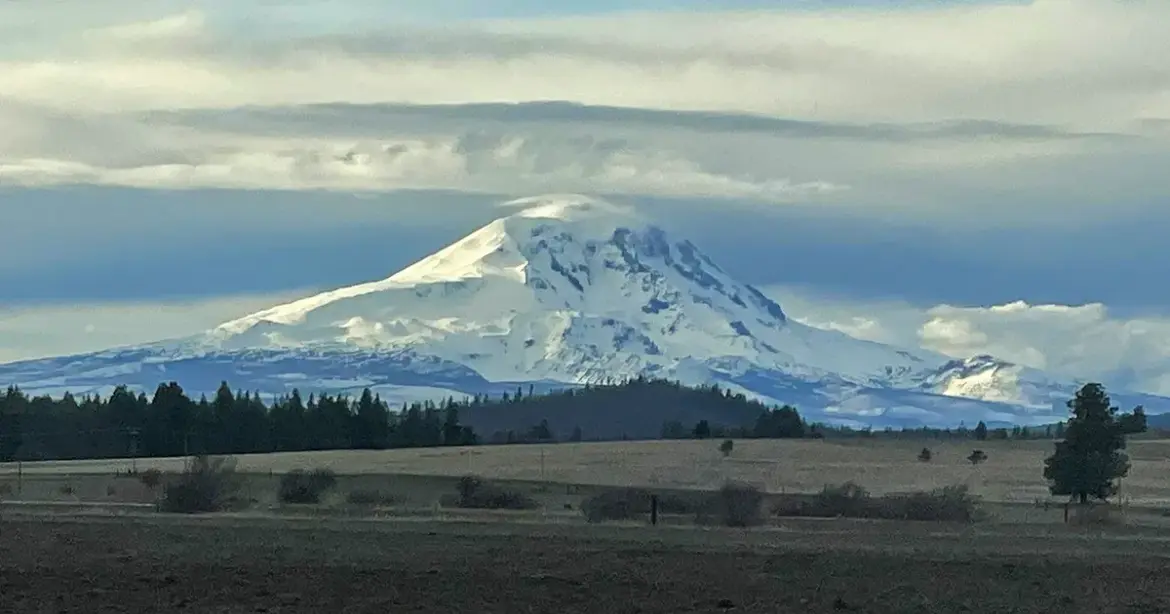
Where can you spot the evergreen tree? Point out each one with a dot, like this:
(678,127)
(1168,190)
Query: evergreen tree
(702,430)
(980,431)
(1089,459)
(371,423)
(541,432)
(1135,422)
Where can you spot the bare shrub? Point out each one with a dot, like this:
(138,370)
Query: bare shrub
(850,500)
(617,504)
(634,503)
(738,505)
(151,478)
(370,497)
(208,484)
(299,486)
(950,503)
(475,493)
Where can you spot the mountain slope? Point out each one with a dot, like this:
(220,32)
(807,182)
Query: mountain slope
(568,290)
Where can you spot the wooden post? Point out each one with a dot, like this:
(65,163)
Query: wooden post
(654,510)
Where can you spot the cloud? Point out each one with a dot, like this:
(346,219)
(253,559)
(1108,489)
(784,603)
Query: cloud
(35,331)
(473,161)
(1081,342)
(899,109)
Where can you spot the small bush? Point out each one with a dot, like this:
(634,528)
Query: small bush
(950,504)
(299,486)
(739,505)
(150,478)
(849,500)
(925,455)
(66,489)
(370,497)
(475,493)
(207,485)
(977,456)
(617,504)
(726,447)
(635,503)
(111,490)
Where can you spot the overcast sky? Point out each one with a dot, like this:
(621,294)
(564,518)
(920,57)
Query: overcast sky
(969,177)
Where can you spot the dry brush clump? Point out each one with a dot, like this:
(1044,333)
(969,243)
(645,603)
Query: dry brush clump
(307,487)
(151,478)
(735,505)
(208,484)
(476,493)
(635,503)
(850,500)
(370,497)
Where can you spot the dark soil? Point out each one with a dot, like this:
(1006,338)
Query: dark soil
(233,565)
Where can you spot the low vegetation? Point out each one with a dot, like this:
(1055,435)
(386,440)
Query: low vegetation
(851,500)
(370,497)
(476,493)
(300,486)
(150,478)
(208,484)
(635,503)
(734,505)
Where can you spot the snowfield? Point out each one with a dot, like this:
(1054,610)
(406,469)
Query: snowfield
(567,291)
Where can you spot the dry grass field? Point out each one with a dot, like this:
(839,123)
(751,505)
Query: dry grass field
(1012,472)
(84,537)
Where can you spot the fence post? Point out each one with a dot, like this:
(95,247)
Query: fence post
(654,510)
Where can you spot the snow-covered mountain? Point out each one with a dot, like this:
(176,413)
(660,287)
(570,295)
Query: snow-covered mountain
(569,290)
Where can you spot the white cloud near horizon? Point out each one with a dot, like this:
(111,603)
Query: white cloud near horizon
(1078,342)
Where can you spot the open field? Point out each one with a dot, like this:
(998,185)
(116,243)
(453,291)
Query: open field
(78,537)
(230,564)
(1011,474)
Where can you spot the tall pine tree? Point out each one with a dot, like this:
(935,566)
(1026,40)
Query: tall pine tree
(1089,459)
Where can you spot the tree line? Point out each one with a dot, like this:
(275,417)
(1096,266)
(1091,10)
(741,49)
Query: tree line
(171,423)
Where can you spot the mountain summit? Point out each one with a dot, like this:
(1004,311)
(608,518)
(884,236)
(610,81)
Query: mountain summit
(566,290)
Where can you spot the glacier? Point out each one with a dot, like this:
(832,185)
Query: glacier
(570,290)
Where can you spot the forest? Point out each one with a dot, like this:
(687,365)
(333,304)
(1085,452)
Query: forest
(171,423)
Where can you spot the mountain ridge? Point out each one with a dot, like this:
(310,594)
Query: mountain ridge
(565,291)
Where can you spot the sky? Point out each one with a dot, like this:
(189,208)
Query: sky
(968,177)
